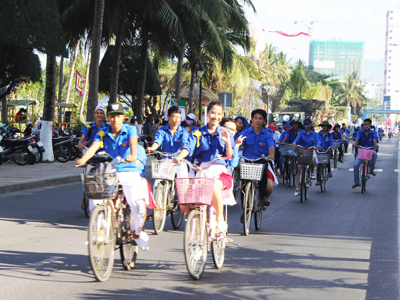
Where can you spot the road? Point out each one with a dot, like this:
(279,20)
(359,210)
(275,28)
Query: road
(338,245)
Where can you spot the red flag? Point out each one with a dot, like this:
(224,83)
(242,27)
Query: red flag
(292,34)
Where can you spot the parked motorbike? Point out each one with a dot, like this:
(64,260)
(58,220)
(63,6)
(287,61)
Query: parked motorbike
(62,148)
(37,146)
(17,150)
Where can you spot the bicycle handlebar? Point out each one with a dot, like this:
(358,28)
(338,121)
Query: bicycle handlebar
(210,163)
(326,150)
(312,147)
(257,159)
(103,157)
(163,153)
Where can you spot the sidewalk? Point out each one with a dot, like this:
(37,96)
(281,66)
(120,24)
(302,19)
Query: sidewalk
(15,178)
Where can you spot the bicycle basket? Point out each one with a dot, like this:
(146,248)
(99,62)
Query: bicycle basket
(323,158)
(198,190)
(337,144)
(251,171)
(304,156)
(100,181)
(365,154)
(163,169)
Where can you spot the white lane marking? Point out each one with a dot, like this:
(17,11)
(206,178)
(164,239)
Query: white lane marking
(396,170)
(398,208)
(46,261)
(376,170)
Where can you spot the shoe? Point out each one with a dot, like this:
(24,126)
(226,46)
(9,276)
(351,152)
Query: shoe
(372,173)
(222,226)
(144,236)
(141,243)
(296,192)
(313,177)
(330,175)
(318,183)
(242,218)
(355,185)
(341,160)
(267,201)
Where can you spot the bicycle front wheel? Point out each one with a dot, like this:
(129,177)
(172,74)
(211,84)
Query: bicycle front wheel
(101,242)
(195,244)
(247,207)
(303,184)
(363,177)
(218,253)
(258,211)
(335,159)
(85,202)
(160,211)
(324,177)
(176,213)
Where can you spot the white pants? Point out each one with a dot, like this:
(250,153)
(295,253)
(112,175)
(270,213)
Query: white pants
(136,193)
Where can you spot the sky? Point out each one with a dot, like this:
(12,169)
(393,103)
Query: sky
(350,20)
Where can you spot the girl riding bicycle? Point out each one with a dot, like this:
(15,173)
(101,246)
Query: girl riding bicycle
(205,144)
(120,140)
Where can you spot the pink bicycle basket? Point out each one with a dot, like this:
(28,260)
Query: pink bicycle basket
(198,191)
(365,154)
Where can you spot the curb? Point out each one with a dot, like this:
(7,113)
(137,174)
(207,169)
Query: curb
(38,184)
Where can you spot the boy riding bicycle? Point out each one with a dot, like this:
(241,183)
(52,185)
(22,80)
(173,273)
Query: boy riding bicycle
(365,138)
(326,141)
(120,140)
(260,142)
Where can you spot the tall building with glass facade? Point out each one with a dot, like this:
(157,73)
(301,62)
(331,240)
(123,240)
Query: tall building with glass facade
(340,58)
(392,60)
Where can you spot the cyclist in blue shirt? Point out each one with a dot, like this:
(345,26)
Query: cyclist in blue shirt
(241,124)
(120,140)
(326,141)
(260,142)
(365,138)
(171,137)
(306,138)
(291,134)
(205,144)
(89,132)
(336,136)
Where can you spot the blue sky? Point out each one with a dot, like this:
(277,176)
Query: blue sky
(354,20)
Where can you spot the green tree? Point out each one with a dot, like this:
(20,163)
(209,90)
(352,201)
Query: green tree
(351,92)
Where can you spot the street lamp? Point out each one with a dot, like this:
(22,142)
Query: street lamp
(200,72)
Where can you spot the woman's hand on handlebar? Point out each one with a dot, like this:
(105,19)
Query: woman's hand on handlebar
(149,150)
(80,162)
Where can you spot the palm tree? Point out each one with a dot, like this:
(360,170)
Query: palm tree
(351,92)
(95,58)
(48,109)
(298,81)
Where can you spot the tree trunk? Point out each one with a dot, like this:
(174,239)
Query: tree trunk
(178,83)
(116,62)
(60,86)
(191,90)
(94,65)
(3,97)
(86,84)
(142,75)
(72,71)
(48,108)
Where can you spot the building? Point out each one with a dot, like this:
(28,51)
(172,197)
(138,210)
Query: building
(340,58)
(392,60)
(374,91)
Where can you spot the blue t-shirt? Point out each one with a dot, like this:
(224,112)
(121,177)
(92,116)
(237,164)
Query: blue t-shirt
(283,134)
(337,136)
(256,145)
(354,135)
(325,141)
(234,162)
(169,143)
(365,140)
(120,146)
(204,146)
(93,134)
(292,135)
(307,140)
(142,156)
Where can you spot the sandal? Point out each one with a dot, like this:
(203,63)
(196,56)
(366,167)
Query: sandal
(297,192)
(355,185)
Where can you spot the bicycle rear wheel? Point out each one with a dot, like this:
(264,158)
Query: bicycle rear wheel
(160,211)
(308,183)
(363,177)
(303,184)
(85,202)
(218,253)
(101,243)
(335,158)
(258,211)
(176,213)
(289,172)
(128,252)
(321,171)
(324,173)
(247,207)
(195,244)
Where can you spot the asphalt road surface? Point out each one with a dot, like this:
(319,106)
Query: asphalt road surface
(338,245)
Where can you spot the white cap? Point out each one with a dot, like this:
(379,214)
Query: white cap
(29,123)
(191,116)
(101,107)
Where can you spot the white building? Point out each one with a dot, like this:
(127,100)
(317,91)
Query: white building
(392,60)
(374,91)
